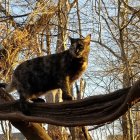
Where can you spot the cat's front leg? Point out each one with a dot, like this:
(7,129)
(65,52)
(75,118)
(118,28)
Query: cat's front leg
(66,95)
(66,89)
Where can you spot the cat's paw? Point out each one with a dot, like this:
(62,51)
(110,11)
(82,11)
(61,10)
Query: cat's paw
(38,100)
(24,108)
(67,97)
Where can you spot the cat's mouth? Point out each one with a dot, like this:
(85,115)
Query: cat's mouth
(78,54)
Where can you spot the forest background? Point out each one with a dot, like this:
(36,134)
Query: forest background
(32,28)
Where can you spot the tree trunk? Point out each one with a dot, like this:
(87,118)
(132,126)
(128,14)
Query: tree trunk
(56,132)
(126,118)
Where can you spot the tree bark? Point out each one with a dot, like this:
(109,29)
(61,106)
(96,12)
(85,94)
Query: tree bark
(94,110)
(32,131)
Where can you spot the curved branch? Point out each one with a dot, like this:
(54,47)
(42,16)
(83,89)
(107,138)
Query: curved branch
(29,130)
(109,49)
(94,110)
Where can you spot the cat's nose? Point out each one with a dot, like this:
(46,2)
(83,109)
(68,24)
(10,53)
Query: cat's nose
(77,51)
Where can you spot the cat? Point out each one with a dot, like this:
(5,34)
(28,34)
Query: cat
(34,77)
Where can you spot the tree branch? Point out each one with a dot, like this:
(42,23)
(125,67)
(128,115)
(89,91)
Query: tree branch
(29,130)
(2,9)
(94,110)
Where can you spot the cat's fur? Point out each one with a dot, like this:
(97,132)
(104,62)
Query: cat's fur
(34,77)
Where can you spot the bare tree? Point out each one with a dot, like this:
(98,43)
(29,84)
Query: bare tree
(42,27)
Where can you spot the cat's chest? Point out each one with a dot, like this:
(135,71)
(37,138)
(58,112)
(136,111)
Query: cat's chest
(78,64)
(84,66)
(76,68)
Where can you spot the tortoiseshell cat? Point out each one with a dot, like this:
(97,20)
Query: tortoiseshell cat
(34,77)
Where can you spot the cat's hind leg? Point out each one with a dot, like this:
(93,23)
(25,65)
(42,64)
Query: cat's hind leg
(10,87)
(23,104)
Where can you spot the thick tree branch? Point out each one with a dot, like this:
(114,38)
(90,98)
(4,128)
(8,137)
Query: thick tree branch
(94,110)
(29,130)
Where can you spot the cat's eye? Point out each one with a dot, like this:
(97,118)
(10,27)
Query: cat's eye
(79,46)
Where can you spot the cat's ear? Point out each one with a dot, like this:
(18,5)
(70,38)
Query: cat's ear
(87,39)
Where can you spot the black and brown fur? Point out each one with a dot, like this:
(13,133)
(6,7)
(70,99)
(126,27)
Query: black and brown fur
(34,77)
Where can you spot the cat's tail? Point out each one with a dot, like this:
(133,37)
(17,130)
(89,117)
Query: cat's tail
(8,87)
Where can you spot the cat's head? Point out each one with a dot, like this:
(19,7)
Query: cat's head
(80,47)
